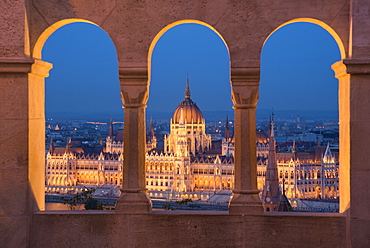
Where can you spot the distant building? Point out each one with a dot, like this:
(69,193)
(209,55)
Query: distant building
(191,165)
(311,174)
(270,195)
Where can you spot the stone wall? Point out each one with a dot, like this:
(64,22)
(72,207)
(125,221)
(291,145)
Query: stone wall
(134,27)
(184,229)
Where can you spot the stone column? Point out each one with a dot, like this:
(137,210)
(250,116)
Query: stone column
(36,131)
(354,143)
(134,94)
(22,145)
(245,82)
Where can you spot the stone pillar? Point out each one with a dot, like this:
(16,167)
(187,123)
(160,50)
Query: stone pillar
(354,127)
(245,82)
(134,93)
(36,131)
(22,145)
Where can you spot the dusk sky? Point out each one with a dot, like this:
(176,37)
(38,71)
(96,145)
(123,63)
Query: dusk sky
(295,70)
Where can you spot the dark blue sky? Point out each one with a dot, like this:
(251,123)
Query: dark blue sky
(295,70)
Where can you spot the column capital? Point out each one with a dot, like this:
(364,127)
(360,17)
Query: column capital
(25,65)
(351,66)
(244,86)
(134,105)
(244,106)
(41,68)
(134,86)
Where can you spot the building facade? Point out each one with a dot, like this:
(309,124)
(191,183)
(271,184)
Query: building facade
(187,167)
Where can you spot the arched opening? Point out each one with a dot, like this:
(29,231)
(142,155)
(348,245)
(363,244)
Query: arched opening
(298,83)
(300,53)
(193,49)
(189,56)
(83,82)
(84,72)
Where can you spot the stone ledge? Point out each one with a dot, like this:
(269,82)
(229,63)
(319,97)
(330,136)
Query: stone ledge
(188,230)
(357,66)
(192,212)
(15,65)
(351,66)
(24,65)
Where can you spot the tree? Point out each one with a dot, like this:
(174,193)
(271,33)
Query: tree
(85,197)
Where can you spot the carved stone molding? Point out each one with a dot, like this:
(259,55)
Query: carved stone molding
(15,65)
(339,69)
(41,68)
(245,75)
(24,66)
(245,82)
(357,66)
(351,66)
(134,86)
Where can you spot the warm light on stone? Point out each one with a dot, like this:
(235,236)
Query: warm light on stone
(135,27)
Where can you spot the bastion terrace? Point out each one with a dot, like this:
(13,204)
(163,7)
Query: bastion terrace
(135,27)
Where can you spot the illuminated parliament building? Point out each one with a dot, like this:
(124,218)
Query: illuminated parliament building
(189,165)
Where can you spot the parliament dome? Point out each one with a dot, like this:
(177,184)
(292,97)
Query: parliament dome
(190,111)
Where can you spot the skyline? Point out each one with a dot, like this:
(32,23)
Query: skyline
(197,51)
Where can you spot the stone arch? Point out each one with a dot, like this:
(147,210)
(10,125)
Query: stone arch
(37,49)
(323,25)
(174,24)
(310,11)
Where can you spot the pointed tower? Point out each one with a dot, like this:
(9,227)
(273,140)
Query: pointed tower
(328,168)
(51,146)
(284,204)
(69,144)
(271,192)
(111,132)
(151,128)
(296,165)
(328,156)
(182,158)
(187,90)
(109,140)
(294,150)
(181,144)
(226,141)
(151,140)
(227,129)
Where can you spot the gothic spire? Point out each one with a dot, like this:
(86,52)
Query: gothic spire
(187,91)
(69,144)
(272,134)
(111,132)
(284,204)
(294,150)
(271,126)
(51,147)
(328,156)
(227,129)
(151,128)
(271,192)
